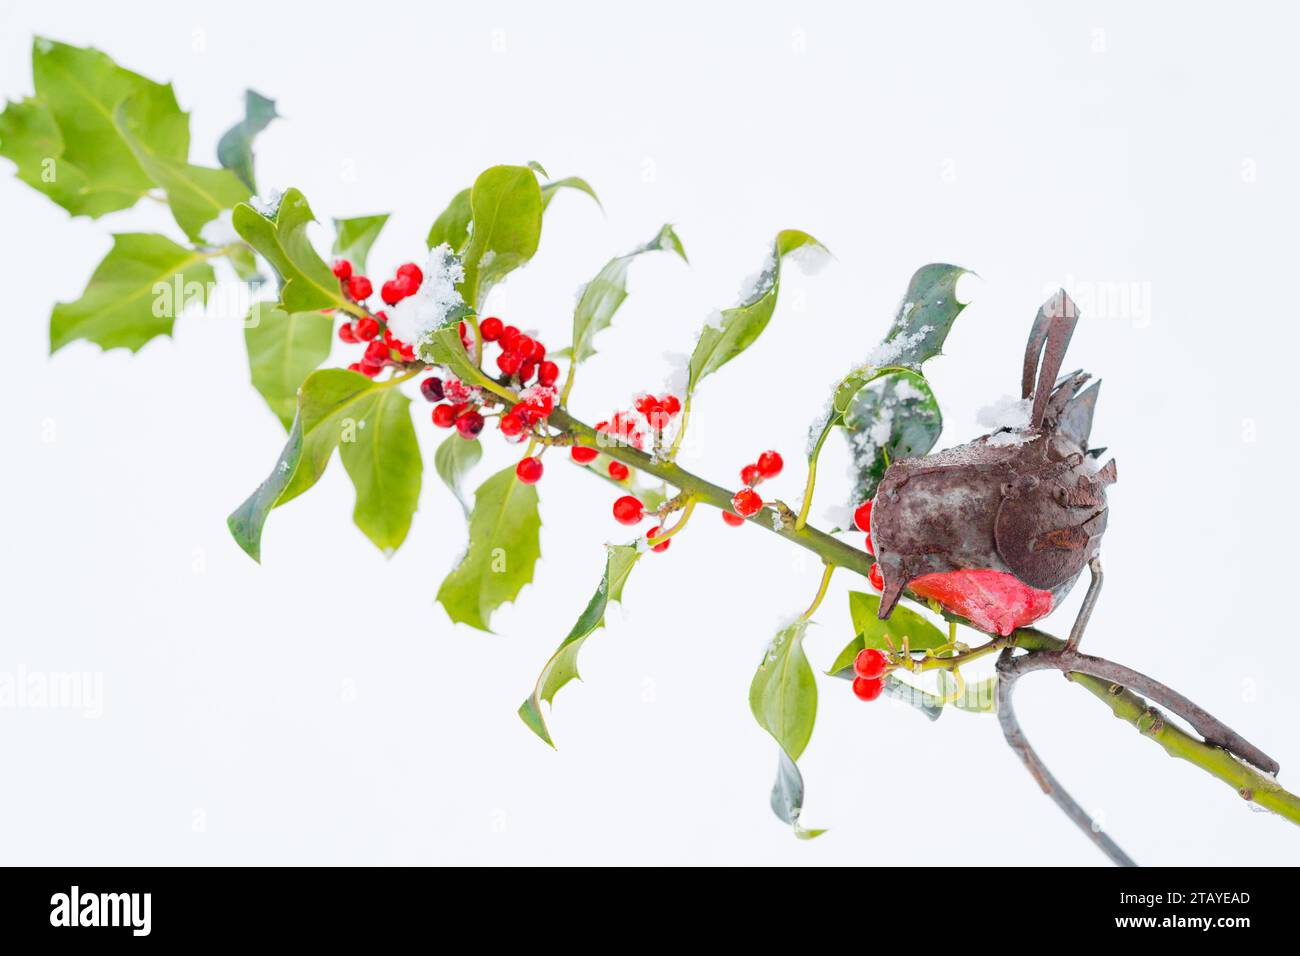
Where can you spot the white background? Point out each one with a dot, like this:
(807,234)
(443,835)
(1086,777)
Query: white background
(320,708)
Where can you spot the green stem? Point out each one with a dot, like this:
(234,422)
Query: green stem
(1126,705)
(1133,709)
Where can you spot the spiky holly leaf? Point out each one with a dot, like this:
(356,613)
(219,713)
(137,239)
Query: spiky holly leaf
(735,329)
(354,237)
(235,148)
(602,296)
(336,407)
(783,693)
(506,209)
(453,460)
(504,545)
(196,194)
(283,349)
(895,416)
(135,294)
(32,141)
(94,170)
(922,323)
(306,281)
(563,664)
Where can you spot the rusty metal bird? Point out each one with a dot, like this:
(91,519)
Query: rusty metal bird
(998,530)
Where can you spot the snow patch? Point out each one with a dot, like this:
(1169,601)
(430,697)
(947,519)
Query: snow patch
(416,317)
(1006,412)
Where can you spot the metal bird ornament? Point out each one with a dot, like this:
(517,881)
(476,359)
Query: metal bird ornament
(999,529)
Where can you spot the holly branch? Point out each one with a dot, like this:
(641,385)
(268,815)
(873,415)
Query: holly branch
(96,139)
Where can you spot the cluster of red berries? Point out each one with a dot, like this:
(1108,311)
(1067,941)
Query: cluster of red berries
(522,357)
(630,428)
(869,673)
(629,511)
(862,518)
(747,501)
(372,331)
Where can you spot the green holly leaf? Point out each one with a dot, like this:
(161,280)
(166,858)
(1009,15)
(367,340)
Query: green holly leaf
(354,237)
(922,323)
(452,224)
(568,182)
(135,294)
(306,281)
(503,548)
(506,208)
(787,796)
(335,407)
(904,624)
(978,697)
(383,460)
(283,349)
(602,296)
(453,460)
(783,694)
(894,416)
(735,329)
(82,89)
(31,140)
(197,195)
(235,148)
(563,664)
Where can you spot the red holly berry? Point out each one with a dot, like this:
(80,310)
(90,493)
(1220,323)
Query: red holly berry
(377,352)
(370,370)
(746,502)
(670,404)
(512,425)
(647,405)
(862,516)
(522,345)
(490,329)
(529,470)
(871,548)
(618,471)
(469,425)
(876,577)
(392,293)
(870,664)
(627,510)
(410,270)
(527,369)
(346,334)
(750,475)
(359,288)
(582,454)
(342,269)
(547,373)
(866,689)
(538,402)
(507,338)
(538,351)
(770,464)
(354,367)
(431,388)
(444,415)
(661,546)
(365,328)
(734,520)
(509,362)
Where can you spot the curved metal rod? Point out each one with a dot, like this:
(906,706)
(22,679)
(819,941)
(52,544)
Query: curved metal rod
(1209,727)
(1038,770)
